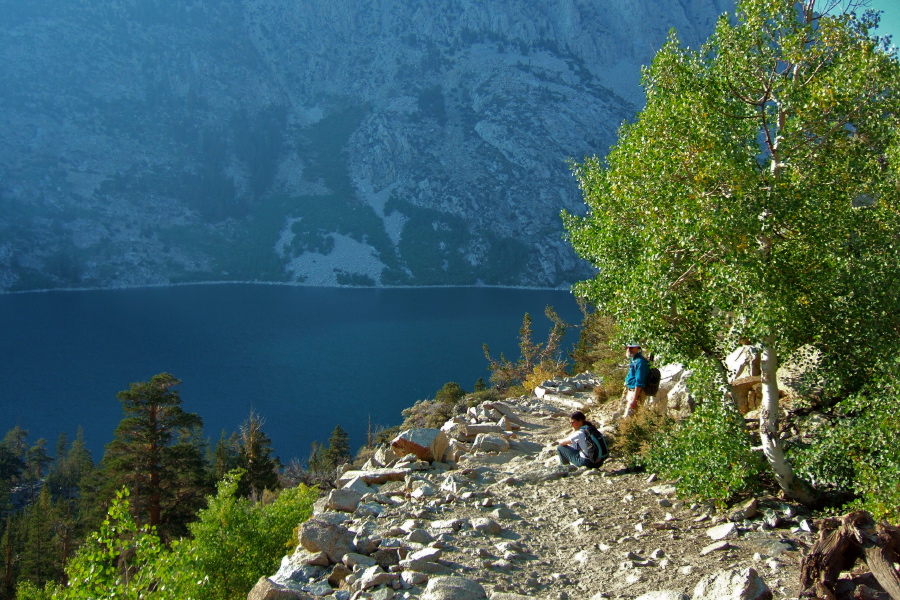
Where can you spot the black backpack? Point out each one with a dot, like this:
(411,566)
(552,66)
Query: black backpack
(651,387)
(598,451)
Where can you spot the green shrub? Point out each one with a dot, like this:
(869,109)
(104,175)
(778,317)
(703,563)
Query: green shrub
(635,435)
(709,453)
(121,560)
(234,543)
(860,453)
(484,395)
(451,393)
(430,413)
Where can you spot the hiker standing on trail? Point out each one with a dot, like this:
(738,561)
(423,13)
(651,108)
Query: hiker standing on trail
(584,447)
(636,380)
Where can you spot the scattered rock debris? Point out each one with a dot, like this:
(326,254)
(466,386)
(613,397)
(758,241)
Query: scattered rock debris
(482,509)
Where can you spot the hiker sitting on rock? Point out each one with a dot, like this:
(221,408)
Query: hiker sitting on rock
(584,447)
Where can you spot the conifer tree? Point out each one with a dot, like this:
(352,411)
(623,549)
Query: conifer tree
(450,393)
(16,441)
(8,574)
(225,456)
(42,527)
(72,465)
(156,454)
(317,464)
(36,462)
(338,451)
(62,447)
(10,470)
(255,457)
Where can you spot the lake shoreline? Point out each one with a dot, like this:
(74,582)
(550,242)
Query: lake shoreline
(286,284)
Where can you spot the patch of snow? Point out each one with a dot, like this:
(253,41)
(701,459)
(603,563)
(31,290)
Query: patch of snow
(348,256)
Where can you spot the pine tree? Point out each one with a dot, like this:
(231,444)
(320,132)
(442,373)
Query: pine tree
(62,447)
(41,557)
(10,469)
(156,454)
(317,464)
(36,462)
(16,441)
(9,582)
(225,456)
(255,457)
(450,393)
(73,464)
(338,451)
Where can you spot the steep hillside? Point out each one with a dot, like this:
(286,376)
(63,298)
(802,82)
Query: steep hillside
(353,143)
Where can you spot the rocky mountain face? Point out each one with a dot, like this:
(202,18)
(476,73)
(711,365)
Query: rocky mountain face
(363,142)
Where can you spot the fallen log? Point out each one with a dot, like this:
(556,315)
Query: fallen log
(841,543)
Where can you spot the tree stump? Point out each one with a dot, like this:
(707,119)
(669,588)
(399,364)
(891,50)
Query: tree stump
(843,541)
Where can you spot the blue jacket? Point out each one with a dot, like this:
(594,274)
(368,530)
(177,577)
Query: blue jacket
(637,372)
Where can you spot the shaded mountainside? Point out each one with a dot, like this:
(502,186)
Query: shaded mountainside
(352,143)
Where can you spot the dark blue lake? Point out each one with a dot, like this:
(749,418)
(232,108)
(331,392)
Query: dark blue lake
(305,359)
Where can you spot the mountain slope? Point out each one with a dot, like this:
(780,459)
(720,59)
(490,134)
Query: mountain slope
(353,143)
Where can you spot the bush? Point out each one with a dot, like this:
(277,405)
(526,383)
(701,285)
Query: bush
(514,376)
(235,542)
(484,395)
(860,454)
(430,413)
(450,393)
(709,453)
(635,435)
(121,560)
(541,373)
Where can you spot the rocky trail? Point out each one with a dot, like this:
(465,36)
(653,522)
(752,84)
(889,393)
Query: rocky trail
(498,517)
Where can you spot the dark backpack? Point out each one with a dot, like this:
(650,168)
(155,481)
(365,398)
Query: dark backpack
(597,451)
(651,387)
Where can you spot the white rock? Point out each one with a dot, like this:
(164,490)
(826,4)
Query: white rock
(583,557)
(453,588)
(715,547)
(351,559)
(486,442)
(375,576)
(748,510)
(734,584)
(414,577)
(486,525)
(723,531)
(427,554)
(358,484)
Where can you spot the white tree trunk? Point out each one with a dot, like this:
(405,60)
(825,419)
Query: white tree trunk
(768,427)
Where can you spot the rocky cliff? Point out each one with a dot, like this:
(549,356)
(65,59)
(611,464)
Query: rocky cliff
(362,142)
